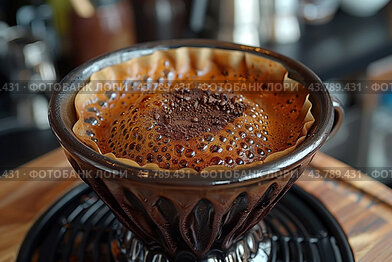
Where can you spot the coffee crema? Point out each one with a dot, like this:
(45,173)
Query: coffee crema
(193,123)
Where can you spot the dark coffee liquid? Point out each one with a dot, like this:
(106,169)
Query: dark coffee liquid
(198,128)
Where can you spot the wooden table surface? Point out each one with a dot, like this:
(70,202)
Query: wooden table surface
(363,206)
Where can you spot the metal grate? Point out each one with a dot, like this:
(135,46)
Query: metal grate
(79,226)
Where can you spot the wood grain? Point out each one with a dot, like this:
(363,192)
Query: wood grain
(362,206)
(21,202)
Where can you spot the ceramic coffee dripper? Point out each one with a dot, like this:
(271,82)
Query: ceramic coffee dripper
(210,217)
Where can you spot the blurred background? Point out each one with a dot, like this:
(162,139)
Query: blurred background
(341,40)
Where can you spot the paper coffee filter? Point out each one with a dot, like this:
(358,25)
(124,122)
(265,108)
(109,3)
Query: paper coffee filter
(112,95)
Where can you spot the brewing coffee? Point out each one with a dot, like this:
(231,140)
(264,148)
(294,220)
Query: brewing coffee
(191,216)
(193,108)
